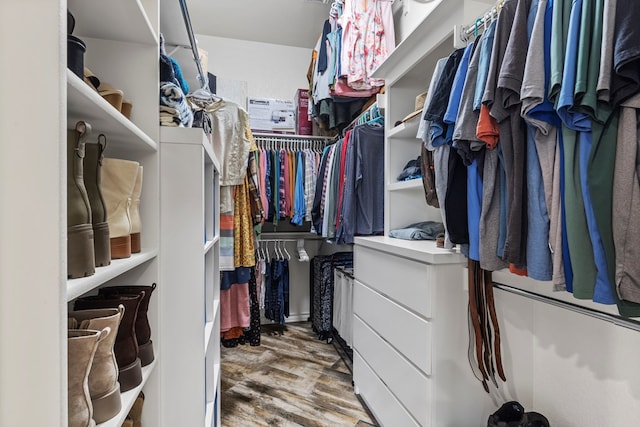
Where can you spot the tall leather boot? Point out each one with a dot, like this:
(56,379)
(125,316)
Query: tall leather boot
(92,177)
(118,180)
(143,329)
(126,345)
(81,347)
(104,388)
(136,223)
(80,252)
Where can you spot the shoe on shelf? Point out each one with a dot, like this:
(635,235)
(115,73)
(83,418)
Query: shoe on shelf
(126,344)
(143,329)
(112,95)
(136,223)
(118,182)
(104,388)
(94,154)
(80,247)
(81,348)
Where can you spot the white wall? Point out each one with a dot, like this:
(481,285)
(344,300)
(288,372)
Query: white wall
(585,370)
(271,71)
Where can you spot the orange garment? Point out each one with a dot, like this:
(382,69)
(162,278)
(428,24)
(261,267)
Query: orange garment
(518,271)
(487,130)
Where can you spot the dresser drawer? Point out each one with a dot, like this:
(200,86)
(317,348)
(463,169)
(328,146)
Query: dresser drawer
(405,281)
(385,407)
(404,380)
(409,334)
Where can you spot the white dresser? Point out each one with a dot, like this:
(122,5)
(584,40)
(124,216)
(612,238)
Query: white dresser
(410,335)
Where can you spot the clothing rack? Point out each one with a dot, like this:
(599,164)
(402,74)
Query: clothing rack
(292,142)
(204,80)
(372,112)
(612,318)
(302,253)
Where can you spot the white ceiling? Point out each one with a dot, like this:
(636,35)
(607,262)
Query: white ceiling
(286,22)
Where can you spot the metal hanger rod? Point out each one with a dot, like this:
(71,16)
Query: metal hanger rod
(612,318)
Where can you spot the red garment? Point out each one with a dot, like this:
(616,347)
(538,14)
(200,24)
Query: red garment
(341,178)
(234,307)
(487,129)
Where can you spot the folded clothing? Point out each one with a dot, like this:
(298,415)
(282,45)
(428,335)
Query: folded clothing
(412,168)
(172,96)
(425,230)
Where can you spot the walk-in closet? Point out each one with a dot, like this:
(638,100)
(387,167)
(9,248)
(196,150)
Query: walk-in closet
(320,213)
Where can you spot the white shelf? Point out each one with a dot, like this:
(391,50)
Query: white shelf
(118,20)
(216,376)
(128,398)
(190,136)
(83,103)
(426,40)
(208,333)
(419,250)
(209,244)
(78,287)
(208,419)
(406,130)
(413,184)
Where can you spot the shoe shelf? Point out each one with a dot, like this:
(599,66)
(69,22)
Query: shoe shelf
(128,398)
(78,287)
(83,103)
(209,244)
(118,20)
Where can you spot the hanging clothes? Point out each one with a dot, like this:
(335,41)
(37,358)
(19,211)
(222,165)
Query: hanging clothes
(542,89)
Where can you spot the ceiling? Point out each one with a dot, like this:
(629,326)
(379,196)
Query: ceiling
(286,22)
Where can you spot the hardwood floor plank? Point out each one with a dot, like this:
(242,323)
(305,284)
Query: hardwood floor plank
(292,379)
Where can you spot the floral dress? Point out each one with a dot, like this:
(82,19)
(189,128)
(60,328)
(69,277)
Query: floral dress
(367,39)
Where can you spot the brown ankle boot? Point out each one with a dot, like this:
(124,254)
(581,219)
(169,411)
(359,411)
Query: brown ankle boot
(81,347)
(104,388)
(143,329)
(135,414)
(126,345)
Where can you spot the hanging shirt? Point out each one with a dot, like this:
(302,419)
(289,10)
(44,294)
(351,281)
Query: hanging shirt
(369,181)
(299,197)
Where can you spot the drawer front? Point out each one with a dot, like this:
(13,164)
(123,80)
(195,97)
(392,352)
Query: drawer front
(403,280)
(385,407)
(405,381)
(409,334)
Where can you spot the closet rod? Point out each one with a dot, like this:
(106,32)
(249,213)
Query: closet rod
(474,29)
(289,136)
(612,318)
(204,80)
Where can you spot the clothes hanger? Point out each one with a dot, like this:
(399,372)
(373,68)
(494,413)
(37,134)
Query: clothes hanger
(285,251)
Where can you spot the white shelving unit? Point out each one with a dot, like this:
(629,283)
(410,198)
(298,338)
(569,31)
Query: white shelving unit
(413,378)
(122,49)
(190,273)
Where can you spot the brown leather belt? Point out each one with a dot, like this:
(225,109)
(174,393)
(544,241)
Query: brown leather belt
(485,327)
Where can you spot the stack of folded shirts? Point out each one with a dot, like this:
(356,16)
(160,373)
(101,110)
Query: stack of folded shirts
(174,107)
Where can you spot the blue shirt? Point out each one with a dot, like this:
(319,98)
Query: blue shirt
(571,119)
(458,83)
(483,66)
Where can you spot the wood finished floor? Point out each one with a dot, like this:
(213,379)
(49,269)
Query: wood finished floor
(292,379)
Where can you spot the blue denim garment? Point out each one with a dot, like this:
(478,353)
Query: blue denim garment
(539,262)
